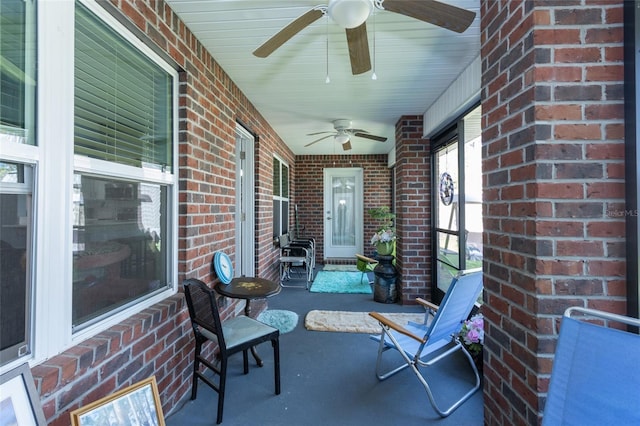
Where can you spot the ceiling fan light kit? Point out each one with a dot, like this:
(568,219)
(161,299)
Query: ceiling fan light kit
(342,138)
(352,16)
(350,13)
(343,133)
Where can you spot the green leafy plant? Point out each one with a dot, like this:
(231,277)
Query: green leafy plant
(384,215)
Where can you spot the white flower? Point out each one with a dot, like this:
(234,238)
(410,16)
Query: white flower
(383,236)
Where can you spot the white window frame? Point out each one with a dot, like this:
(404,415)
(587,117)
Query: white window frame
(280,198)
(55,165)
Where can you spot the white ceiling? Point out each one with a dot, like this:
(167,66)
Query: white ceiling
(414,63)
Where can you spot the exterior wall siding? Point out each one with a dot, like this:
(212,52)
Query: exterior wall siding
(553,178)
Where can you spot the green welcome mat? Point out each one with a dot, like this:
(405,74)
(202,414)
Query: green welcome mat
(341,282)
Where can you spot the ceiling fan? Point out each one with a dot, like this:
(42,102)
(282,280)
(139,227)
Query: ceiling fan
(352,16)
(343,133)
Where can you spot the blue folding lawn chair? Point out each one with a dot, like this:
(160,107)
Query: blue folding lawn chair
(423,345)
(596,371)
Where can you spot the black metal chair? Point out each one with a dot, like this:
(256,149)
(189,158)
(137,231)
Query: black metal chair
(237,334)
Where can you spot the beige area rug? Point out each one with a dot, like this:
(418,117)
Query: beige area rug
(353,322)
(346,268)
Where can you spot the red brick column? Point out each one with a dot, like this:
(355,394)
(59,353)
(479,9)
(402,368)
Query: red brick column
(413,210)
(553,169)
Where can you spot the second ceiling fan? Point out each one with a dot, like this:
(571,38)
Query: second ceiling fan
(343,133)
(352,16)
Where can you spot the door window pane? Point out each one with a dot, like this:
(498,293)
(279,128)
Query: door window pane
(448,189)
(343,232)
(15,260)
(120,244)
(458,203)
(473,189)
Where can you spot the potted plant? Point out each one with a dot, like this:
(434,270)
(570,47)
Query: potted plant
(471,336)
(384,238)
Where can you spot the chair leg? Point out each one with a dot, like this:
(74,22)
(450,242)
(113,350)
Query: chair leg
(245,361)
(276,363)
(446,411)
(221,388)
(415,364)
(196,367)
(382,348)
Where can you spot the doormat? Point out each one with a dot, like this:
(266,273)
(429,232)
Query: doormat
(285,321)
(348,268)
(354,322)
(341,282)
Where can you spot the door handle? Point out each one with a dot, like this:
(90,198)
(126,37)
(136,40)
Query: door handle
(328,217)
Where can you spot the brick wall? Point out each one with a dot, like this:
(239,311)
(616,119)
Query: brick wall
(309,192)
(553,171)
(159,340)
(413,205)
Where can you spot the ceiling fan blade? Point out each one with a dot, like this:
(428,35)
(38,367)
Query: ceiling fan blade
(317,133)
(346,146)
(443,15)
(282,36)
(372,137)
(358,49)
(318,140)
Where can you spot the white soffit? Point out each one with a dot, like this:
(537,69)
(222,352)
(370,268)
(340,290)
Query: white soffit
(459,96)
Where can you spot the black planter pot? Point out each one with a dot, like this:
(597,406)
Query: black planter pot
(384,285)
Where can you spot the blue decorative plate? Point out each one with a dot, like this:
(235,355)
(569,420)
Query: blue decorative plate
(223,267)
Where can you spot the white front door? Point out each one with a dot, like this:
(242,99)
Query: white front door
(343,218)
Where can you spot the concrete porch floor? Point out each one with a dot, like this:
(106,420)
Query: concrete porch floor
(328,379)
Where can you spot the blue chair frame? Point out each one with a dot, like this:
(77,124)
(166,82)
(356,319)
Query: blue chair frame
(423,345)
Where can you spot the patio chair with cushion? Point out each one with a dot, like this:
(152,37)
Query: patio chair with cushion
(423,345)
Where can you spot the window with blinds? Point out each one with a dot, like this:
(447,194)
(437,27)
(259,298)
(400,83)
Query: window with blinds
(122,99)
(124,109)
(280,198)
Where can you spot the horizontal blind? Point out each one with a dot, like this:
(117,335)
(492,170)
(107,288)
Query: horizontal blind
(13,73)
(122,109)
(276,177)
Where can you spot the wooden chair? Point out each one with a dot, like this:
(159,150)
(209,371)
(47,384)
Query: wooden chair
(237,334)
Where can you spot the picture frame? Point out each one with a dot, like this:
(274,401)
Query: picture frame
(19,399)
(135,404)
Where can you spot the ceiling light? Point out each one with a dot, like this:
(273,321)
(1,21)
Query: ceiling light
(350,13)
(342,138)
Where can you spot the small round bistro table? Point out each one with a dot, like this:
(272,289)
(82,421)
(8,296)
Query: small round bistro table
(249,288)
